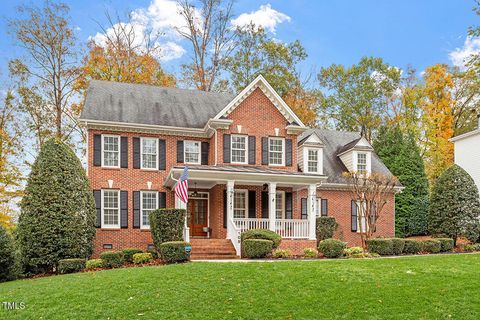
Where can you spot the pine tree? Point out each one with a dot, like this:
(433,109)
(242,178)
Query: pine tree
(57,212)
(7,256)
(454,204)
(401,155)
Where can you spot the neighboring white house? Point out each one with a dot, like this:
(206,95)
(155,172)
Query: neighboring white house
(467,153)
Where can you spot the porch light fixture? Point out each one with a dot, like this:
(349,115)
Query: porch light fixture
(195,193)
(265,187)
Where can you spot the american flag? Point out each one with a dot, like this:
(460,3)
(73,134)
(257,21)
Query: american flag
(181,189)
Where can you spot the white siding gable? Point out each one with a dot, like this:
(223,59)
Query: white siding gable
(467,156)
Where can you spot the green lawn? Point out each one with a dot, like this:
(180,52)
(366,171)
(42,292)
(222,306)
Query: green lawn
(426,287)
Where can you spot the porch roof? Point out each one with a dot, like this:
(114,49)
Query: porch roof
(243,174)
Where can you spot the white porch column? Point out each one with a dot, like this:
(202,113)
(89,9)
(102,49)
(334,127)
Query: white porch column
(230,191)
(179,204)
(272,205)
(311,211)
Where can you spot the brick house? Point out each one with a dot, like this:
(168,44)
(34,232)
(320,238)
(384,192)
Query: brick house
(252,164)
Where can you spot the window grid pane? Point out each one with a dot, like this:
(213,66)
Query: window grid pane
(275,154)
(110,207)
(361,162)
(312,160)
(279,212)
(111,151)
(239,204)
(149,153)
(239,147)
(192,152)
(149,203)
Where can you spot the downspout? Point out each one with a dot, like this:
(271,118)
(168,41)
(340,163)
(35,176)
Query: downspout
(216,142)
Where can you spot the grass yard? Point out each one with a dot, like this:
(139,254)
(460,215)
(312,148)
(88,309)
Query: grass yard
(424,287)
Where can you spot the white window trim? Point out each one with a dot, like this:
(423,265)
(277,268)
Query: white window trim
(110,226)
(283,152)
(368,158)
(199,151)
(246,149)
(142,226)
(283,204)
(141,153)
(319,160)
(103,148)
(245,191)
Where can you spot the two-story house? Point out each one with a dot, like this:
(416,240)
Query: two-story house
(252,164)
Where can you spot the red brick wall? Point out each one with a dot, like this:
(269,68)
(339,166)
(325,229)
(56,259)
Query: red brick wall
(296,247)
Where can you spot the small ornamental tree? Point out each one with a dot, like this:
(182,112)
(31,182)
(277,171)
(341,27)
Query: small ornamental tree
(454,203)
(57,212)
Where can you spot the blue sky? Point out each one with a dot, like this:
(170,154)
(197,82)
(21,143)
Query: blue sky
(420,33)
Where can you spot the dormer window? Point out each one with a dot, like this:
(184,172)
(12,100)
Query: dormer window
(312,160)
(361,162)
(239,149)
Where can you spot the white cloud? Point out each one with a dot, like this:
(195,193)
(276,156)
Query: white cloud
(171,51)
(460,56)
(265,17)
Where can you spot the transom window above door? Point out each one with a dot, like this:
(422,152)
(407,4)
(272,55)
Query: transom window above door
(111,151)
(276,155)
(149,154)
(239,149)
(192,152)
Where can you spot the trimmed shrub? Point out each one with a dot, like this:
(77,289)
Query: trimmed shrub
(129,252)
(412,246)
(70,265)
(57,217)
(281,253)
(7,256)
(446,244)
(174,251)
(94,264)
(353,251)
(470,247)
(331,248)
(383,247)
(154,254)
(432,246)
(144,257)
(166,225)
(262,234)
(310,253)
(112,259)
(257,248)
(326,226)
(398,245)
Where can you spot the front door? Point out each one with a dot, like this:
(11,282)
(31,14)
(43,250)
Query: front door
(198,210)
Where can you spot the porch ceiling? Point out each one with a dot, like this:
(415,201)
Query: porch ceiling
(243,175)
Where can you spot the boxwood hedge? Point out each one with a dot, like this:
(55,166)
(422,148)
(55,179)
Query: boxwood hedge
(174,251)
(331,248)
(262,234)
(257,248)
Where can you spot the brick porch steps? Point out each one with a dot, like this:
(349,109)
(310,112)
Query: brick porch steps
(209,249)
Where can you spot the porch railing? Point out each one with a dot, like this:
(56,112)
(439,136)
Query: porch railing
(287,228)
(251,223)
(233,233)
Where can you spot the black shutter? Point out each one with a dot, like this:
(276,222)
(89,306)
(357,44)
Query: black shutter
(123,209)
(136,209)
(97,150)
(136,153)
(226,148)
(288,205)
(251,149)
(251,203)
(288,152)
(264,204)
(97,195)
(205,153)
(162,200)
(123,152)
(354,216)
(264,150)
(162,155)
(324,207)
(180,151)
(224,208)
(303,208)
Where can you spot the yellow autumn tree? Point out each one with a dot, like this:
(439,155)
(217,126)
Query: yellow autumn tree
(437,120)
(304,103)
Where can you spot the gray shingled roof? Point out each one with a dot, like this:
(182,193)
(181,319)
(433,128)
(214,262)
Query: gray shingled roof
(145,104)
(335,141)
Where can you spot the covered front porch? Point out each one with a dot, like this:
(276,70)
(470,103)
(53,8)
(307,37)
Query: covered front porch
(240,198)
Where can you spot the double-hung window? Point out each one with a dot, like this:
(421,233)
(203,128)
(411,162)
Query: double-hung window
(276,155)
(239,149)
(149,203)
(192,152)
(149,154)
(280,205)
(240,204)
(111,209)
(312,160)
(361,163)
(111,151)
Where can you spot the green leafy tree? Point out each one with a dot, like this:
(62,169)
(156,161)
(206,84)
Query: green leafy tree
(454,203)
(357,97)
(57,211)
(401,155)
(7,256)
